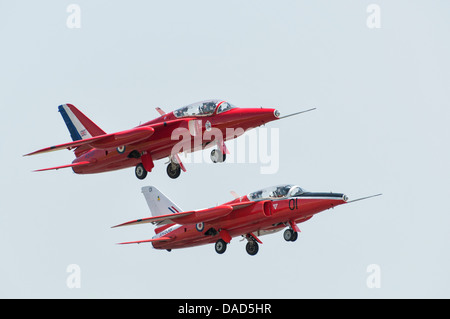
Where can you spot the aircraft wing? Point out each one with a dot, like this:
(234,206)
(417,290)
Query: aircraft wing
(185,218)
(190,217)
(113,140)
(105,141)
(162,219)
(147,240)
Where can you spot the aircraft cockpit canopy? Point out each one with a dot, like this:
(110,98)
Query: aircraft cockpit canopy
(224,106)
(274,192)
(203,108)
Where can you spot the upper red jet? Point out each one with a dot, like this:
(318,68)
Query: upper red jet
(164,137)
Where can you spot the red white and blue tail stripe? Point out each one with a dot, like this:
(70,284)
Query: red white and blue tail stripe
(173,209)
(78,124)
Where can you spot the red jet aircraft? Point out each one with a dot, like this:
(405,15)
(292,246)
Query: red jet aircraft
(259,213)
(207,121)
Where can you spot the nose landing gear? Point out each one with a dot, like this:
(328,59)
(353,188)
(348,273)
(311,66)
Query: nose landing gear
(175,166)
(290,235)
(217,156)
(252,247)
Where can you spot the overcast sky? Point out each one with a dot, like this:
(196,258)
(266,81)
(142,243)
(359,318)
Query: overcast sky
(381,89)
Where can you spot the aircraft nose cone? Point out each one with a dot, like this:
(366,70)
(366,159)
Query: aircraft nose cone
(253,117)
(341,196)
(276,113)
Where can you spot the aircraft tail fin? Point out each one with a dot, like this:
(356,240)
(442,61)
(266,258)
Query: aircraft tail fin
(158,203)
(78,124)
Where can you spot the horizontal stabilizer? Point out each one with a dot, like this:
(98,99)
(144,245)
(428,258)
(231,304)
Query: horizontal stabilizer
(63,166)
(146,241)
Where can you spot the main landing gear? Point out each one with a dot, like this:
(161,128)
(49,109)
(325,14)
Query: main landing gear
(145,166)
(251,247)
(220,246)
(173,170)
(140,171)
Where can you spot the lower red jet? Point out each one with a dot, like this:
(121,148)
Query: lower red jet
(259,213)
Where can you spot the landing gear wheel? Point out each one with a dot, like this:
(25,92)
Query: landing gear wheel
(140,171)
(173,170)
(252,248)
(290,235)
(294,238)
(216,158)
(220,246)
